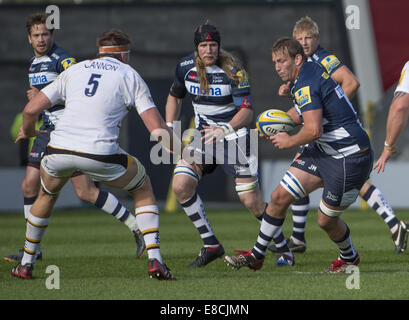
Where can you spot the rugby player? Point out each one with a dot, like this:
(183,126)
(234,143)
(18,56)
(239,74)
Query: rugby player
(48,61)
(307,33)
(220,92)
(98,93)
(341,165)
(396,122)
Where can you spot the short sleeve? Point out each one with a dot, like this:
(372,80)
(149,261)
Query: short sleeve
(307,96)
(403,84)
(139,94)
(55,91)
(178,89)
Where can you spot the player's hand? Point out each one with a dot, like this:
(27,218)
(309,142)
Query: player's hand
(31,93)
(284,90)
(23,135)
(281,140)
(212,134)
(381,163)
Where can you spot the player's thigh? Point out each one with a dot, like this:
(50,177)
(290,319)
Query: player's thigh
(50,184)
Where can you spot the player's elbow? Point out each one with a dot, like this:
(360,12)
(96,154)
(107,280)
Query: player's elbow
(315,132)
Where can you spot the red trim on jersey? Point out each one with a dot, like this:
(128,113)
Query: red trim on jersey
(246,104)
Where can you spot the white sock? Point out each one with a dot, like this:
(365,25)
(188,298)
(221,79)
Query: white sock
(34,233)
(147,218)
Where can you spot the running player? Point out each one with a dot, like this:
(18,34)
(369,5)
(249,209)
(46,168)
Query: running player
(306,32)
(220,93)
(98,94)
(341,164)
(50,60)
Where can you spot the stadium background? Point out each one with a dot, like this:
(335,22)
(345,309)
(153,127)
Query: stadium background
(162,32)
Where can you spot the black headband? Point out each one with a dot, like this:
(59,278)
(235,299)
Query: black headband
(206,32)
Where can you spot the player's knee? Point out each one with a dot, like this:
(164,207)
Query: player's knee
(30,187)
(185,181)
(280,198)
(327,217)
(184,189)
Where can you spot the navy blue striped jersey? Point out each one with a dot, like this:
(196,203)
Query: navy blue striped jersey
(44,70)
(343,134)
(225,96)
(329,61)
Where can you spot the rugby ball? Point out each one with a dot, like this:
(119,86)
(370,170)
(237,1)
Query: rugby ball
(272,121)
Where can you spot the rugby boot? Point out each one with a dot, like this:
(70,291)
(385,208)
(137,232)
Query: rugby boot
(18,256)
(298,247)
(244,259)
(284,260)
(157,270)
(140,243)
(400,237)
(207,255)
(23,272)
(341,266)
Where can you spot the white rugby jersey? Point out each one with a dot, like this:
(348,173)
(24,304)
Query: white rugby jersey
(403,85)
(98,94)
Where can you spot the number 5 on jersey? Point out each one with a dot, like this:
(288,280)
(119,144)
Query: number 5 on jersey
(93,85)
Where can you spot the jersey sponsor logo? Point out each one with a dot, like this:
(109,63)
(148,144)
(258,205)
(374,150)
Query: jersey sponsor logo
(100,65)
(243,79)
(185,63)
(194,89)
(38,79)
(303,97)
(330,63)
(68,62)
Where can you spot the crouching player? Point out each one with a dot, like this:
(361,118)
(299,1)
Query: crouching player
(338,158)
(98,94)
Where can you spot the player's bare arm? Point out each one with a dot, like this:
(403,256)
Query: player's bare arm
(31,92)
(30,115)
(294,116)
(241,119)
(173,107)
(349,83)
(310,131)
(160,131)
(397,119)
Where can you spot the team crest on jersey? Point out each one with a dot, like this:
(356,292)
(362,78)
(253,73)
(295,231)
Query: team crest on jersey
(68,62)
(303,97)
(330,63)
(243,79)
(192,76)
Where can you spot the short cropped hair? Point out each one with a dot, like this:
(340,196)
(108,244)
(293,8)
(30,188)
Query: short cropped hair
(36,18)
(306,24)
(113,37)
(291,45)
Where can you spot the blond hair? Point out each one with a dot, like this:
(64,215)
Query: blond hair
(225,61)
(306,24)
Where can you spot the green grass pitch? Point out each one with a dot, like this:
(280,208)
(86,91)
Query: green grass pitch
(95,255)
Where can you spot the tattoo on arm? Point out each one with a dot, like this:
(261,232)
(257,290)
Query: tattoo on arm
(398,95)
